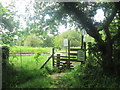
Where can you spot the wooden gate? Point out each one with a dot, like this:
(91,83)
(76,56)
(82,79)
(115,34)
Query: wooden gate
(73,55)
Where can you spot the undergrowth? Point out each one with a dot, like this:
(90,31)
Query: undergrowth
(89,75)
(13,78)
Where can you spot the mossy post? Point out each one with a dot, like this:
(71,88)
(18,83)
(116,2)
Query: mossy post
(5,56)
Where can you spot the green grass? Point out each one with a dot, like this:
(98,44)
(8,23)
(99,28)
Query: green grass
(28,61)
(26,78)
(24,70)
(35,79)
(22,49)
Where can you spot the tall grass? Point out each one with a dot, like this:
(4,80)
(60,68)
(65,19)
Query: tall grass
(26,79)
(25,72)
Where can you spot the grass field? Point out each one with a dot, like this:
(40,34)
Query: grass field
(28,61)
(26,72)
(22,49)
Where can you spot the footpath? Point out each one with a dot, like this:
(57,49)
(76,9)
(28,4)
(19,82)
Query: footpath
(56,77)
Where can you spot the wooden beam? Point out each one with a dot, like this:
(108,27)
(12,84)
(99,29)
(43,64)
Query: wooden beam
(71,60)
(46,62)
(73,54)
(74,49)
(65,56)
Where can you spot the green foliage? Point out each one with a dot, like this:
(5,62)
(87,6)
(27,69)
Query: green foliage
(24,73)
(8,25)
(26,79)
(48,41)
(52,70)
(28,62)
(72,35)
(90,75)
(37,83)
(33,41)
(88,38)
(36,57)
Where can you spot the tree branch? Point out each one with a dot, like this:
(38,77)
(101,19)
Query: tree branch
(82,19)
(110,18)
(108,21)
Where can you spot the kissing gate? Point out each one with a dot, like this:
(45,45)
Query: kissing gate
(73,55)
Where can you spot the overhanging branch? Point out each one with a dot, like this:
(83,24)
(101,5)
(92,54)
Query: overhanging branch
(82,19)
(107,24)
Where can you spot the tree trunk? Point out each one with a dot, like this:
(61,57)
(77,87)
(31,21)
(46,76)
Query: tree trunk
(107,61)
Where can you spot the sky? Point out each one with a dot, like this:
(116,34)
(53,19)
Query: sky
(21,4)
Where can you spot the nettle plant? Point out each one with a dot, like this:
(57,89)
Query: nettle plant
(36,57)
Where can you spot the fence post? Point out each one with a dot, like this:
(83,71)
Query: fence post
(82,42)
(5,56)
(89,51)
(58,60)
(68,61)
(53,57)
(5,64)
(85,50)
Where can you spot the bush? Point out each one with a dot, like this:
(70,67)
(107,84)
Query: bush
(90,75)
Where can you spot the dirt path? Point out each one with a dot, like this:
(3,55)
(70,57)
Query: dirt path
(56,77)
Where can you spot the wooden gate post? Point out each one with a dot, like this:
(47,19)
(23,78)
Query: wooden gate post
(68,61)
(5,56)
(89,51)
(82,42)
(58,60)
(85,50)
(53,62)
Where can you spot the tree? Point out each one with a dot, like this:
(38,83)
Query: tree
(8,25)
(33,41)
(48,41)
(72,35)
(82,15)
(105,46)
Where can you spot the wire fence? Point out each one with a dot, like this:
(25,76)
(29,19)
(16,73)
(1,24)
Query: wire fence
(28,61)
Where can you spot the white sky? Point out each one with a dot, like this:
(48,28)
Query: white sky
(21,4)
(99,16)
